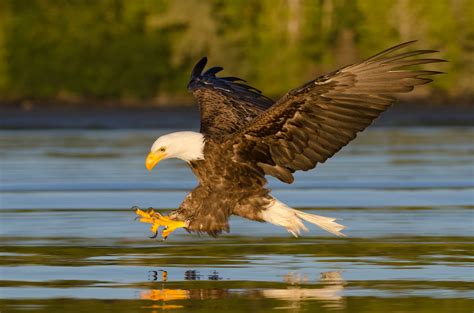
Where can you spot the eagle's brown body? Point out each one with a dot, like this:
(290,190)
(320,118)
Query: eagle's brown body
(225,188)
(248,136)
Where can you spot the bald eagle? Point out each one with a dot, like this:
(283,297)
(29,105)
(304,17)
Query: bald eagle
(245,135)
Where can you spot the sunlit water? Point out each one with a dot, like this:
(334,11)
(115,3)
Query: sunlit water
(69,242)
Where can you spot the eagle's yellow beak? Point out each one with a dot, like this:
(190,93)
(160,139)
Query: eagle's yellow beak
(153,158)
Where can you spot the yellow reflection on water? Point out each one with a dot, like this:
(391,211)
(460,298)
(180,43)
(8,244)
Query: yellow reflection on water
(162,307)
(330,293)
(164,294)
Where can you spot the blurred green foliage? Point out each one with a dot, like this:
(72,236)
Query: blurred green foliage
(144,49)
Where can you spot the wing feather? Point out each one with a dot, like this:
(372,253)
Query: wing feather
(226,104)
(311,123)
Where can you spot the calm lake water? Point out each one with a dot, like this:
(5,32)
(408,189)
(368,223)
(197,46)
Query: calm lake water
(69,242)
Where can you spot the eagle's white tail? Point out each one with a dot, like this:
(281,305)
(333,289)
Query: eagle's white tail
(280,214)
(326,223)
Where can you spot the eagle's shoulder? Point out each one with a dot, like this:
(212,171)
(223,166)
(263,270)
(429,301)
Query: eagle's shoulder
(226,104)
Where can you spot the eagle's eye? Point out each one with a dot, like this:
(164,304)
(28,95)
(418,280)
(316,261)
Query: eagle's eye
(162,149)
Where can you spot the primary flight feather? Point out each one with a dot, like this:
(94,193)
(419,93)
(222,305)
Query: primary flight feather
(245,136)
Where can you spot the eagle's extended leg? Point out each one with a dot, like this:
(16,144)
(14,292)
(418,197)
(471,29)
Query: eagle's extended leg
(157,220)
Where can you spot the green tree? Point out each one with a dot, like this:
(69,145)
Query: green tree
(144,49)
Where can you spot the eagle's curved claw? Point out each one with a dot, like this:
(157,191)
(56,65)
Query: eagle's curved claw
(154,235)
(157,220)
(136,208)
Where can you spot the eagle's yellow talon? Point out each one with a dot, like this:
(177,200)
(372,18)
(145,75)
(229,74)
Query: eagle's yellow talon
(154,227)
(170,226)
(143,213)
(159,220)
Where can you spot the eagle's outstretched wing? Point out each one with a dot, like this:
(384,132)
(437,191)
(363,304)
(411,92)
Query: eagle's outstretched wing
(311,123)
(226,104)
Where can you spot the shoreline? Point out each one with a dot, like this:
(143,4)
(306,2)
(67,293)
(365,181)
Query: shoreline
(67,116)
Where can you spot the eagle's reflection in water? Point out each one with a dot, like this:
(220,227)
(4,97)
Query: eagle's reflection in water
(330,293)
(329,290)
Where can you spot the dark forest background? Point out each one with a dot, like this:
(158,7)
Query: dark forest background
(142,51)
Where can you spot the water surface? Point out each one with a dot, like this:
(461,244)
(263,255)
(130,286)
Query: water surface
(69,242)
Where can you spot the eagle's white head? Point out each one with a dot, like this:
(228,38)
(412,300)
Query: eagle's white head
(186,145)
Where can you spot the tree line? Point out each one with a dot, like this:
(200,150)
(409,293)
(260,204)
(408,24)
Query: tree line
(143,50)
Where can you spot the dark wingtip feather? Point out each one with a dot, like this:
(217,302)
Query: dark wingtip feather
(431,72)
(213,71)
(233,79)
(199,67)
(232,86)
(245,86)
